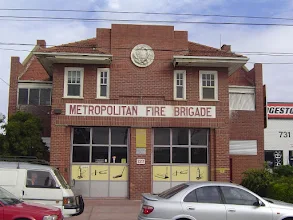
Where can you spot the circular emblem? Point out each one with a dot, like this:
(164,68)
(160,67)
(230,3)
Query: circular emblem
(142,55)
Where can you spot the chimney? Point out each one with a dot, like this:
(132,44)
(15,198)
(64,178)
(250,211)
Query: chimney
(226,48)
(41,43)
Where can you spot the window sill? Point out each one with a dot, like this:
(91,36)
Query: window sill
(72,97)
(208,100)
(103,98)
(182,100)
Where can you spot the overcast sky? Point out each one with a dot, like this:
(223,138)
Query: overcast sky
(278,78)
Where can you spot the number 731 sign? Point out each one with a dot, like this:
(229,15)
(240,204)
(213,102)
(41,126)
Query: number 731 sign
(285,134)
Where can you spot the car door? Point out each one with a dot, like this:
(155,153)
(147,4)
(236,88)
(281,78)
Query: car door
(1,212)
(204,203)
(241,205)
(41,187)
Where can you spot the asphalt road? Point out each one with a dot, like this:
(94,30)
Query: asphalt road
(109,210)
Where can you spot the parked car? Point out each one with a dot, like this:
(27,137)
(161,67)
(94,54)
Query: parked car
(40,184)
(212,200)
(12,208)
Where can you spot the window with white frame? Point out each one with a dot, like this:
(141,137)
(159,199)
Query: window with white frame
(34,94)
(103,83)
(179,84)
(73,82)
(241,98)
(208,85)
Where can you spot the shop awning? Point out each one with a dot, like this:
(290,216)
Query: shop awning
(47,59)
(232,63)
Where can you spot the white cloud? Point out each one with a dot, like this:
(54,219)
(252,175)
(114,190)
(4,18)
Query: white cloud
(242,38)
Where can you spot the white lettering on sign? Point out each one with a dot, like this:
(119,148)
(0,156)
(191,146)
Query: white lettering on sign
(140,161)
(168,111)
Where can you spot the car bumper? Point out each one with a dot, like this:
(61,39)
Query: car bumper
(140,217)
(75,210)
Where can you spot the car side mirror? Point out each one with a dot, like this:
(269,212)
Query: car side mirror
(73,183)
(258,203)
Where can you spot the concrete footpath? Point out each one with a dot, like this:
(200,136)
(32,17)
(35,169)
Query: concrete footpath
(109,210)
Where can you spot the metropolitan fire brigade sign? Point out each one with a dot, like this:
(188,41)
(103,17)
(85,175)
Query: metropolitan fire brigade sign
(163,111)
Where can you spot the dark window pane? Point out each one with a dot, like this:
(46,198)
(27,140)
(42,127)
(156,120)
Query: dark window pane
(172,191)
(179,155)
(81,136)
(198,155)
(45,97)
(103,90)
(198,136)
(101,135)
(162,136)
(237,196)
(191,197)
(23,97)
(291,157)
(100,153)
(73,90)
(81,154)
(179,93)
(34,96)
(162,155)
(274,158)
(119,136)
(40,179)
(180,136)
(120,153)
(209,194)
(208,93)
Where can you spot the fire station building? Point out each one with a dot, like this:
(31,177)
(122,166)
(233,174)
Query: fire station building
(140,108)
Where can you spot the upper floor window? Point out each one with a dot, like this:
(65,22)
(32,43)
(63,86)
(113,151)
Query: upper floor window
(241,98)
(180,84)
(208,85)
(103,83)
(73,82)
(34,96)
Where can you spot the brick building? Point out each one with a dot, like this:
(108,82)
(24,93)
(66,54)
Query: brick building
(139,108)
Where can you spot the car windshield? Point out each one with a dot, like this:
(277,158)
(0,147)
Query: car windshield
(7,198)
(61,179)
(172,191)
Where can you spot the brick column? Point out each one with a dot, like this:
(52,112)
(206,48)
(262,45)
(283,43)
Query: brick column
(60,148)
(139,175)
(222,154)
(15,68)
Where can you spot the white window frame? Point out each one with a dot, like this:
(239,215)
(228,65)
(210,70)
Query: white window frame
(27,85)
(215,73)
(66,70)
(99,71)
(175,84)
(249,90)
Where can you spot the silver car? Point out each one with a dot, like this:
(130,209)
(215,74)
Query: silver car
(212,201)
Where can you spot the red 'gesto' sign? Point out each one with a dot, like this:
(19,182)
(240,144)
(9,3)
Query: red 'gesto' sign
(280,110)
(169,111)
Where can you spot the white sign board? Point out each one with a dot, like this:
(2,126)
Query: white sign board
(140,161)
(163,111)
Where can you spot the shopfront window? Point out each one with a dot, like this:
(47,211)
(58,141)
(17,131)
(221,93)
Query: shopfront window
(100,145)
(274,158)
(187,146)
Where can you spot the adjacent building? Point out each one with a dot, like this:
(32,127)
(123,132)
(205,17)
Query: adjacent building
(279,134)
(140,108)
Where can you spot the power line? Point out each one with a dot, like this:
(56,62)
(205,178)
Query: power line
(145,13)
(4,81)
(283,54)
(40,18)
(264,53)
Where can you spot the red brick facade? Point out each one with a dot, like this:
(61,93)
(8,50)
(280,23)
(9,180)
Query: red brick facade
(152,85)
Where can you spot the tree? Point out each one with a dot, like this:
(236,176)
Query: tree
(23,136)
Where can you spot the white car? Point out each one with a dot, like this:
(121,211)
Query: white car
(212,201)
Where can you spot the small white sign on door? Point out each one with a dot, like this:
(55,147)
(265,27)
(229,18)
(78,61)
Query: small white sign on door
(140,161)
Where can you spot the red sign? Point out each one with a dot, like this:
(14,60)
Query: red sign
(280,110)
